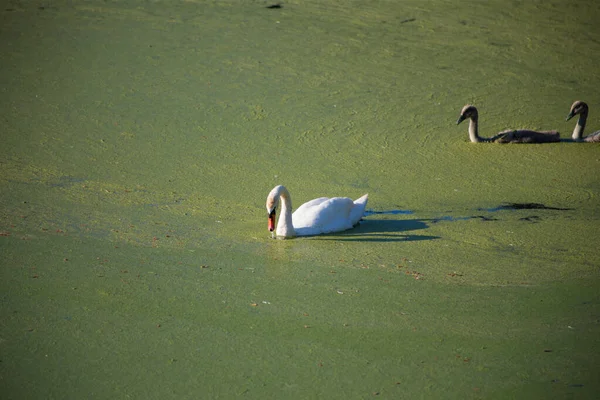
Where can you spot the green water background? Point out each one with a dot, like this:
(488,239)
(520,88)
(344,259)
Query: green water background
(139,142)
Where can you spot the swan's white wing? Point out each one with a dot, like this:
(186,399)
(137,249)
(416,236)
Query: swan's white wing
(310,205)
(359,209)
(323,211)
(325,215)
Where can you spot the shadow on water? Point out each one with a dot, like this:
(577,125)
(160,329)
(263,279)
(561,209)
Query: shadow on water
(382,230)
(523,206)
(502,207)
(371,226)
(391,230)
(390,212)
(452,219)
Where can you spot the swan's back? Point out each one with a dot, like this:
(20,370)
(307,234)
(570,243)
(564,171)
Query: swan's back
(527,136)
(592,137)
(327,215)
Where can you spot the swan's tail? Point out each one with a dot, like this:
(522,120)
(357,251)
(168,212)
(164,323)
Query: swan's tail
(359,209)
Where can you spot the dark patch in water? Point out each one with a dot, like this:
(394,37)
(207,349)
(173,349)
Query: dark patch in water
(408,20)
(505,206)
(484,218)
(276,5)
(532,218)
(450,218)
(524,206)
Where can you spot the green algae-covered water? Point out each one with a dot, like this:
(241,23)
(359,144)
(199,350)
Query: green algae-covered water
(139,142)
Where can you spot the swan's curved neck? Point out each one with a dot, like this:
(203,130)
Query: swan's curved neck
(474,131)
(285,227)
(578,131)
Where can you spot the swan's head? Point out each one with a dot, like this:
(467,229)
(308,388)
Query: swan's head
(579,107)
(272,203)
(467,111)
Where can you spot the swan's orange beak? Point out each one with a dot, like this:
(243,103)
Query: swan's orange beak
(272,221)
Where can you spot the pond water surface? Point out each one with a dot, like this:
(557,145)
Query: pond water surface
(139,142)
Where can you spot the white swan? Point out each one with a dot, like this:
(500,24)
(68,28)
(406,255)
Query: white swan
(509,136)
(322,215)
(581,108)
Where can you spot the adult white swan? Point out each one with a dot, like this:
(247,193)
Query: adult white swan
(322,215)
(509,136)
(581,108)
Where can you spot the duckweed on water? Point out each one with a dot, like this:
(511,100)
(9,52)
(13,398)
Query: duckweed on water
(140,140)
